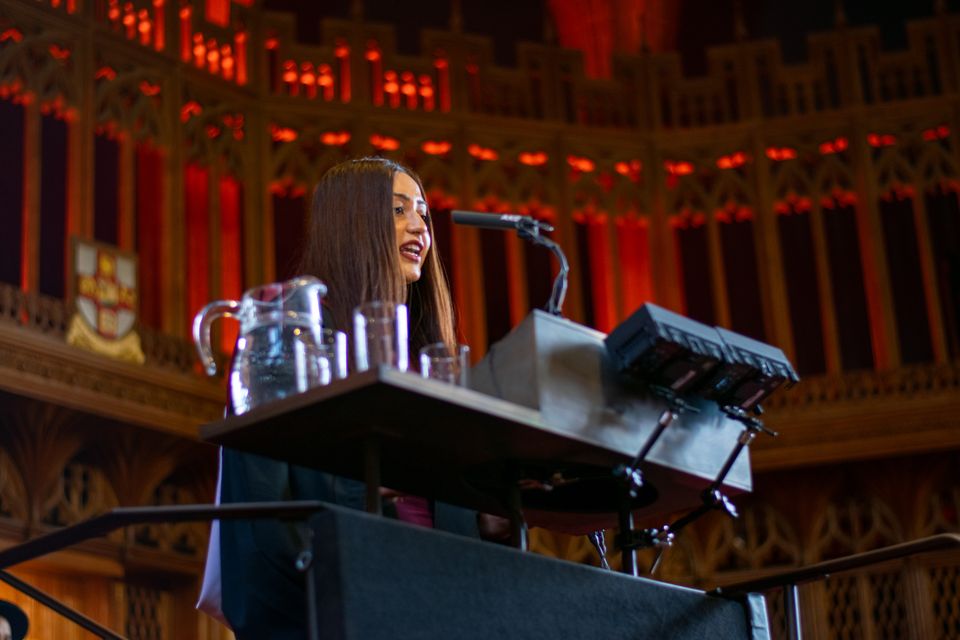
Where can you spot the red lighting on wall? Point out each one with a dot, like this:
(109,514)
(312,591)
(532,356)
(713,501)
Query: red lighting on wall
(372,56)
(834,146)
(271,43)
(185,30)
(779,154)
(189,110)
(105,73)
(335,138)
(59,53)
(634,251)
(384,143)
(532,158)
(436,148)
(289,72)
(629,169)
(732,161)
(391,86)
(733,213)
(899,192)
(581,164)
(936,133)
(443,80)
(226,62)
(11,34)
(688,220)
(282,134)
(218,12)
(149,89)
(324,75)
(159,39)
(482,153)
(881,140)
(678,168)
(240,43)
(426,92)
(342,53)
(792,204)
(839,198)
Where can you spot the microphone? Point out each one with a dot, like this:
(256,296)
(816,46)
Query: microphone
(527,228)
(499,221)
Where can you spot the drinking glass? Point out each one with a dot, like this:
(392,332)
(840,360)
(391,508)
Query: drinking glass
(440,361)
(380,335)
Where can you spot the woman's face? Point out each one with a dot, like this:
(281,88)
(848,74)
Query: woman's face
(410,218)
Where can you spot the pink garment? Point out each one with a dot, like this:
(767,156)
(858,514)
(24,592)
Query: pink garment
(414,510)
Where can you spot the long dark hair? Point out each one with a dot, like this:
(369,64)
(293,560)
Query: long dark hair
(352,246)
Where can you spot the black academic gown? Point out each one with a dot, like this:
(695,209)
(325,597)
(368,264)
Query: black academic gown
(263,594)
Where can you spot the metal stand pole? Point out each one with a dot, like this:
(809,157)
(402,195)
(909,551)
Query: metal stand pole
(791,601)
(518,525)
(628,550)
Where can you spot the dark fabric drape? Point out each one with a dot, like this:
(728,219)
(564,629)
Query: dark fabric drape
(803,293)
(11,191)
(53,206)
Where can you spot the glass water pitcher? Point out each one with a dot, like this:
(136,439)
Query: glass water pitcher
(278,323)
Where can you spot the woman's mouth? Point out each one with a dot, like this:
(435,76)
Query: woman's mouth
(411,251)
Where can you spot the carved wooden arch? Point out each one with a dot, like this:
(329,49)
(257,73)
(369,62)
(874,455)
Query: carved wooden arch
(761,537)
(291,166)
(586,192)
(626,193)
(832,176)
(936,167)
(688,197)
(39,439)
(14,503)
(893,170)
(438,177)
(488,180)
(84,492)
(532,186)
(40,63)
(730,189)
(212,137)
(124,102)
(790,179)
(853,525)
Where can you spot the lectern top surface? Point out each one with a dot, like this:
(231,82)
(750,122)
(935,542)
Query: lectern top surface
(434,439)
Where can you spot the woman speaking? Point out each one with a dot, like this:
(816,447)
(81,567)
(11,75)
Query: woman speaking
(370,237)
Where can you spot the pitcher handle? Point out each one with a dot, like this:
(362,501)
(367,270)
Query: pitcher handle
(201,329)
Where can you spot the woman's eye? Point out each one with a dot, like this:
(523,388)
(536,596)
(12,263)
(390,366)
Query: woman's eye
(398,210)
(425,215)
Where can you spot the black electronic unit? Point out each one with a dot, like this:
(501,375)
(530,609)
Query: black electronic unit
(665,348)
(750,372)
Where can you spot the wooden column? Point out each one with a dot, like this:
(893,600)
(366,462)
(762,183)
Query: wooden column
(769,265)
(938,337)
(666,280)
(30,244)
(873,255)
(718,280)
(828,315)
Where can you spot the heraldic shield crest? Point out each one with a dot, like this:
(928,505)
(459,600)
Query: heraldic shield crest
(105,296)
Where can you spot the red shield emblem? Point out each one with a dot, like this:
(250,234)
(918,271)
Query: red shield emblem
(106,289)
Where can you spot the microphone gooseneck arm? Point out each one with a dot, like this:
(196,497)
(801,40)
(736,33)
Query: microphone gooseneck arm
(528,228)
